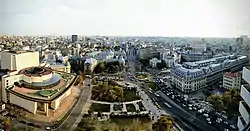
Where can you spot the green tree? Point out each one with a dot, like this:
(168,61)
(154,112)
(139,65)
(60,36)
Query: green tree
(216,101)
(165,123)
(102,66)
(231,100)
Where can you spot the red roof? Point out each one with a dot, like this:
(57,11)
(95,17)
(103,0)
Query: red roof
(232,74)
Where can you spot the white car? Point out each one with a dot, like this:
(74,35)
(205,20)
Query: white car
(165,103)
(206,115)
(157,95)
(232,126)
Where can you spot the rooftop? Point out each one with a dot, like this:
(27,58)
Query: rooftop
(230,74)
(18,51)
(206,67)
(248,67)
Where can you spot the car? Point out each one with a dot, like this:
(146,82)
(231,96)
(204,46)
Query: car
(157,95)
(165,103)
(232,126)
(206,115)
(154,100)
(48,128)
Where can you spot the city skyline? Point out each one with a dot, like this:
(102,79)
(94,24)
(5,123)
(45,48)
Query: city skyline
(193,18)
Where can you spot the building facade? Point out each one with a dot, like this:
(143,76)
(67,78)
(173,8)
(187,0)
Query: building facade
(74,38)
(191,76)
(17,60)
(153,62)
(232,80)
(244,106)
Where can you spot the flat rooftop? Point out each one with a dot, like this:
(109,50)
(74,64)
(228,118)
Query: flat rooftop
(18,51)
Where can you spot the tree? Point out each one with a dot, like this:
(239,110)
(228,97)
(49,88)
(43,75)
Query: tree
(99,114)
(231,100)
(16,84)
(91,113)
(216,101)
(165,123)
(102,66)
(116,48)
(7,124)
(144,62)
(161,65)
(81,77)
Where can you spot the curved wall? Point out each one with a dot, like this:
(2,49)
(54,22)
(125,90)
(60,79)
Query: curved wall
(31,79)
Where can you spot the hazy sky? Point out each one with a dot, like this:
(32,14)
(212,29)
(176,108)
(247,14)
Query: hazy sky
(221,18)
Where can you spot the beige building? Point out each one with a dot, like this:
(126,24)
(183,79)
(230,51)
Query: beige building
(36,89)
(17,60)
(64,67)
(232,80)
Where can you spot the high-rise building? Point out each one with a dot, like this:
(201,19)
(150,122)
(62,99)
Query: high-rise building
(244,106)
(74,38)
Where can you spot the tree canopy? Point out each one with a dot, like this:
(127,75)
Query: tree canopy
(106,92)
(228,101)
(109,67)
(165,123)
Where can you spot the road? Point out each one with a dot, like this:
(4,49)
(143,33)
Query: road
(86,91)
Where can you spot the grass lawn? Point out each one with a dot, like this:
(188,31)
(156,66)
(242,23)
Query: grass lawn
(141,107)
(130,95)
(152,85)
(130,108)
(100,107)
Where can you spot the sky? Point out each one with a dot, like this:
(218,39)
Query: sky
(192,18)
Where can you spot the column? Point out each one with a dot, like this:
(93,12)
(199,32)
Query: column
(47,109)
(44,107)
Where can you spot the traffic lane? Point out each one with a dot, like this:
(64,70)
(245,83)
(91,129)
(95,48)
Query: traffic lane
(187,116)
(174,113)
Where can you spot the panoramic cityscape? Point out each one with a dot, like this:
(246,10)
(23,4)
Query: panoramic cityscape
(116,65)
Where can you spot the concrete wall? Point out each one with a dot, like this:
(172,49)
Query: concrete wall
(26,104)
(56,103)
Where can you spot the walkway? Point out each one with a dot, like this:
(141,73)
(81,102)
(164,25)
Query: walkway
(76,112)
(102,102)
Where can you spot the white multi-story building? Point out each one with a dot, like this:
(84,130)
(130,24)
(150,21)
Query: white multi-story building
(153,62)
(191,76)
(232,80)
(17,60)
(169,61)
(244,107)
(90,64)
